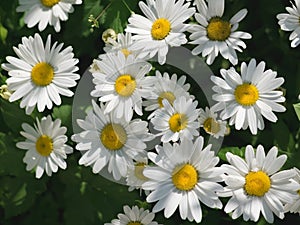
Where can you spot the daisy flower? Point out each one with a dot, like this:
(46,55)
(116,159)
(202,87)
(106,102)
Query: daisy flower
(122,84)
(166,87)
(162,27)
(41,73)
(176,121)
(123,44)
(45,145)
(135,177)
(134,216)
(290,22)
(208,121)
(183,176)
(95,67)
(255,185)
(294,207)
(248,97)
(44,12)
(109,141)
(214,35)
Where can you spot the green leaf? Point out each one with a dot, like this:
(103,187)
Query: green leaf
(14,116)
(281,134)
(297,109)
(234,150)
(3,33)
(64,113)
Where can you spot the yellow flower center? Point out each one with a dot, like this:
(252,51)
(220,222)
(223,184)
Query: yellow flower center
(113,136)
(138,171)
(178,122)
(211,126)
(126,52)
(44,145)
(298,192)
(49,3)
(134,223)
(185,177)
(257,183)
(246,94)
(160,29)
(166,95)
(218,29)
(42,74)
(125,85)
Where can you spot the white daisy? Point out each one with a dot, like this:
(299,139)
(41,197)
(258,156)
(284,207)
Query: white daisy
(134,216)
(294,207)
(248,97)
(162,27)
(41,73)
(123,44)
(95,67)
(166,87)
(135,177)
(184,175)
(208,120)
(290,22)
(46,146)
(256,186)
(122,84)
(214,35)
(44,12)
(109,141)
(177,121)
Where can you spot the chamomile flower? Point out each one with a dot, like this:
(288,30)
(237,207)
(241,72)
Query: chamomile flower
(45,145)
(290,22)
(256,185)
(209,122)
(166,87)
(123,44)
(44,12)
(122,84)
(184,175)
(110,141)
(214,35)
(135,177)
(95,67)
(134,216)
(294,207)
(41,73)
(177,121)
(162,27)
(248,97)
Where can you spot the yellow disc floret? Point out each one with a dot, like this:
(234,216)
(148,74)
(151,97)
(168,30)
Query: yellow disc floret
(257,183)
(211,126)
(125,85)
(49,3)
(44,145)
(134,223)
(113,136)
(126,52)
(178,122)
(160,29)
(246,94)
(138,171)
(185,177)
(165,95)
(42,74)
(218,29)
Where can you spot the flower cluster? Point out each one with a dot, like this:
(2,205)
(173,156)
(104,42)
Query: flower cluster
(135,105)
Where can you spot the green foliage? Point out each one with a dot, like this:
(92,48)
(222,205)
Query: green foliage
(297,109)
